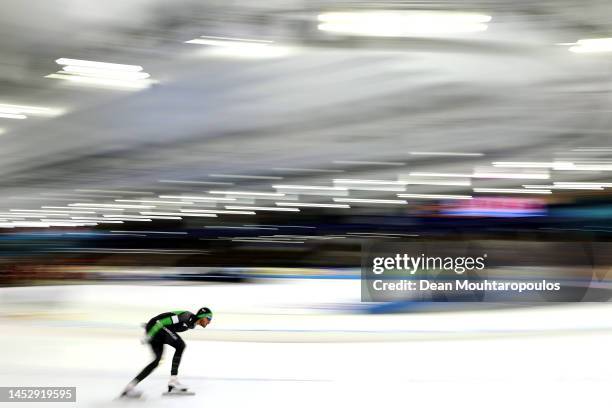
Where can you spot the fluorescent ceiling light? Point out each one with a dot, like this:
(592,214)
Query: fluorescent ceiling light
(91,190)
(579,185)
(30,215)
(370,182)
(104,205)
(154,202)
(402,23)
(585,167)
(76,211)
(247,193)
(199,198)
(40,224)
(297,187)
(148,218)
(563,187)
(499,175)
(511,191)
(102,82)
(84,208)
(8,111)
(103,74)
(100,220)
(368,201)
(241,47)
(99,65)
(439,183)
(12,116)
(314,205)
(460,154)
(111,74)
(557,165)
(592,45)
(249,208)
(228,42)
(376,188)
(219,212)
(430,174)
(436,196)
(123,216)
(181,214)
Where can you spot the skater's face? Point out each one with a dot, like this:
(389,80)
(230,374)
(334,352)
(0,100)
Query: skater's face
(204,321)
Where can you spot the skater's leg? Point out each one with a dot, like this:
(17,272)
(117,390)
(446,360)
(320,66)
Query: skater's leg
(158,350)
(176,359)
(179,346)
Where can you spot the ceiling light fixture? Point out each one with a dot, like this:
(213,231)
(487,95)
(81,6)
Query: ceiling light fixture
(240,47)
(9,111)
(102,74)
(592,45)
(397,23)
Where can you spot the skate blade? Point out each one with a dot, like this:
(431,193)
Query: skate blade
(181,393)
(130,397)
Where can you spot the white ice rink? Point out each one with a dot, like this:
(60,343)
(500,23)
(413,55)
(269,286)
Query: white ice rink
(284,345)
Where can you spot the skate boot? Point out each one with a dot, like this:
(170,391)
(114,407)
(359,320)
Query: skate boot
(176,388)
(130,392)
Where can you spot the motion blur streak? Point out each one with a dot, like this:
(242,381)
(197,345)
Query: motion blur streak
(247,156)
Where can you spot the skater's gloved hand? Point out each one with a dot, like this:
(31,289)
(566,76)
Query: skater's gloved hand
(145,340)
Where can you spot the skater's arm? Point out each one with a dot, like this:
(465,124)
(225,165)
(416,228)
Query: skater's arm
(188,319)
(184,318)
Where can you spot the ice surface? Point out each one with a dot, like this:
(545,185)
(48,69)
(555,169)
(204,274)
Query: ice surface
(553,357)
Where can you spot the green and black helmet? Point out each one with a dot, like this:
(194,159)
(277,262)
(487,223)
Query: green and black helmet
(204,312)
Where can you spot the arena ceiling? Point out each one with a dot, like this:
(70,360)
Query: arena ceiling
(316,107)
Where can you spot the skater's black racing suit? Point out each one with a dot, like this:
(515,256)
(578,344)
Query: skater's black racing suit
(163,329)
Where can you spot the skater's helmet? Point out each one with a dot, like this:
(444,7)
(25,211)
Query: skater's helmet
(204,312)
